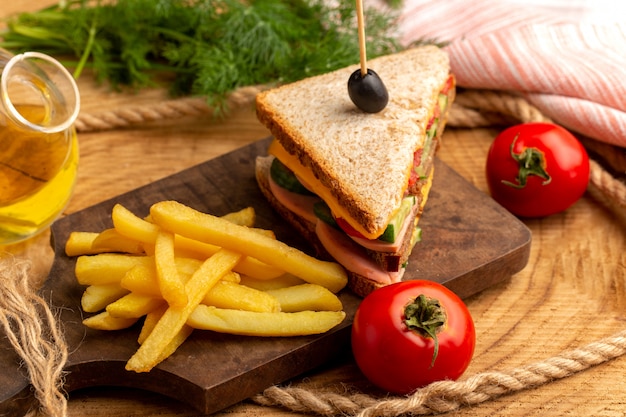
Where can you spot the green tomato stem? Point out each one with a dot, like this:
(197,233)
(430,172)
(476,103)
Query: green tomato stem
(427,317)
(531,161)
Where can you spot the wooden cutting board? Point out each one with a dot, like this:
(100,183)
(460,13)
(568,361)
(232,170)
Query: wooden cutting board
(469,243)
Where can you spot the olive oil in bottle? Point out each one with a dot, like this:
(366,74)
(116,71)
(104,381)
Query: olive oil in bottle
(39,102)
(37,175)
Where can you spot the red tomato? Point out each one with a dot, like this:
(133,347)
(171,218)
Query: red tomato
(399,358)
(537,169)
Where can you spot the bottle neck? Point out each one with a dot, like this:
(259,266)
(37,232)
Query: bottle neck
(37,81)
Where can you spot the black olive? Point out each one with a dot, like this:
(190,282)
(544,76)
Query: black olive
(367,92)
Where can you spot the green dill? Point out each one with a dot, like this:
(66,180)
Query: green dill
(207,47)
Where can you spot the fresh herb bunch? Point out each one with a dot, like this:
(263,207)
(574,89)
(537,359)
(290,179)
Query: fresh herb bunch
(211,47)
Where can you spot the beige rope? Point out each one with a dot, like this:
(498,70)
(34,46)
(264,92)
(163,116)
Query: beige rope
(124,117)
(499,102)
(446,396)
(613,189)
(32,330)
(165,110)
(471,109)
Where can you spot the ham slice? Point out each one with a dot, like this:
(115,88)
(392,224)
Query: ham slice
(388,247)
(351,256)
(347,252)
(300,204)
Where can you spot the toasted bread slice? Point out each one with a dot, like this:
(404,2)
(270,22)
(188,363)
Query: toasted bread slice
(364,159)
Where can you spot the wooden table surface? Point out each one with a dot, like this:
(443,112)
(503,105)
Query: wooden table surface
(571,293)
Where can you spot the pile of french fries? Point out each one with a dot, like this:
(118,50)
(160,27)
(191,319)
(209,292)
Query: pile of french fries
(180,269)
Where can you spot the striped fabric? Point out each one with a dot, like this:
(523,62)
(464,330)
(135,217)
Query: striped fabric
(568,58)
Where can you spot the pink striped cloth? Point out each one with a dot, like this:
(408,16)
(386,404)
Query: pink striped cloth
(564,57)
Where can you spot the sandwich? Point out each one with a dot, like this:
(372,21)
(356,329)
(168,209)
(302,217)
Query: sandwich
(355,183)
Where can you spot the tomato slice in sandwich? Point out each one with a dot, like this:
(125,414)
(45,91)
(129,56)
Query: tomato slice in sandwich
(417,160)
(448,85)
(349,230)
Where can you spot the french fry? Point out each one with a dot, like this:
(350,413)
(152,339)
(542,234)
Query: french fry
(188,266)
(106,268)
(306,297)
(191,248)
(79,243)
(176,341)
(285,280)
(243,217)
(92,243)
(130,225)
(133,305)
(249,323)
(150,322)
(110,240)
(97,297)
(257,269)
(226,294)
(142,279)
(264,232)
(186,247)
(178,218)
(104,321)
(232,276)
(171,285)
(174,319)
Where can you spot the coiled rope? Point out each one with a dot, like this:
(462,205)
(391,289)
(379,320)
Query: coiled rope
(34,333)
(445,396)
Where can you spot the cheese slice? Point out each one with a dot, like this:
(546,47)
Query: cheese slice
(305,175)
(311,182)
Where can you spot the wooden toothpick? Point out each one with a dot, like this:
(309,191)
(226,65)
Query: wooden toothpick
(361,28)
